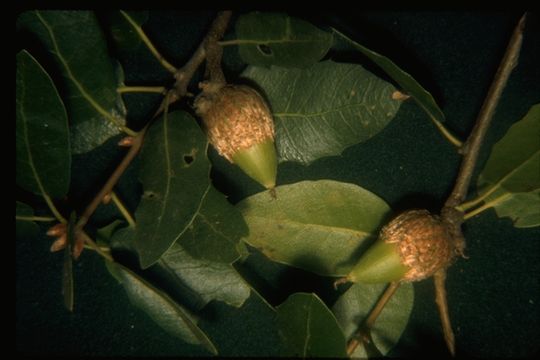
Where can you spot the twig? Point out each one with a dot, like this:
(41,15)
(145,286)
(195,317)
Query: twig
(185,74)
(452,217)
(473,143)
(35,218)
(363,332)
(113,179)
(141,89)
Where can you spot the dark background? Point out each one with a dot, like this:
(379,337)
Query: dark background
(494,296)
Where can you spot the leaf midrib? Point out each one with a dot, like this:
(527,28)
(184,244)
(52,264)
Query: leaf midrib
(27,143)
(321,113)
(294,223)
(308,327)
(199,334)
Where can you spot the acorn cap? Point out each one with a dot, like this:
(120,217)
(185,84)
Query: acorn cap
(239,125)
(411,247)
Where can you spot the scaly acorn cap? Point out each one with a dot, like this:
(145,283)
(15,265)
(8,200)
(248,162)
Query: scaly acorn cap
(411,247)
(239,125)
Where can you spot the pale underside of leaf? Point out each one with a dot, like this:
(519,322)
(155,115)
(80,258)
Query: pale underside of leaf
(320,226)
(510,180)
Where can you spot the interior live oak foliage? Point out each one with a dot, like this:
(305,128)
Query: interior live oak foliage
(139,233)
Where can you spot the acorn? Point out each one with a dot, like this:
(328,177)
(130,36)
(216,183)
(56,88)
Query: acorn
(240,127)
(411,247)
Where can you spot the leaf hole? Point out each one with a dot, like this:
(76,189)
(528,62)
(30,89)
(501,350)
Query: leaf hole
(189,158)
(149,195)
(265,49)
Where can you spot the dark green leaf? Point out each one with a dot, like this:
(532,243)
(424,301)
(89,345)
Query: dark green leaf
(216,230)
(322,110)
(353,307)
(210,280)
(266,39)
(179,202)
(174,174)
(160,307)
(309,329)
(42,138)
(406,81)
(95,108)
(321,226)
(24,227)
(510,181)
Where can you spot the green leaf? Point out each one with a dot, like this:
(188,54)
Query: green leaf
(423,98)
(266,39)
(42,138)
(179,203)
(160,307)
(24,229)
(510,180)
(322,110)
(216,230)
(353,307)
(174,174)
(320,226)
(210,280)
(522,208)
(309,329)
(96,110)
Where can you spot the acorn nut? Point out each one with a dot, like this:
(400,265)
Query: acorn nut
(240,127)
(411,247)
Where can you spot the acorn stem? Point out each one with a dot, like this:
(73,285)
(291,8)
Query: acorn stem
(363,332)
(440,298)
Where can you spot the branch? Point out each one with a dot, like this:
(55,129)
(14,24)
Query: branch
(183,77)
(474,142)
(185,74)
(452,217)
